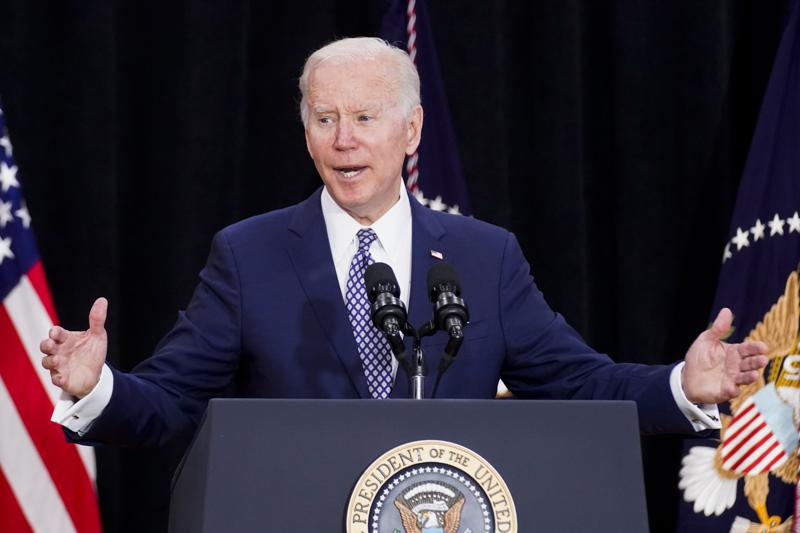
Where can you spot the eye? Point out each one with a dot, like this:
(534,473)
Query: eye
(364,118)
(325,120)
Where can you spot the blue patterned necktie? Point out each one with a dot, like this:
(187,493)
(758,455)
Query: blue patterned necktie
(373,348)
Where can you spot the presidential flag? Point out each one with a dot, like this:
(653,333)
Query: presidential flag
(434,174)
(747,480)
(46,484)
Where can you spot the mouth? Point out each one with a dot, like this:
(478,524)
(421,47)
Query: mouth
(349,172)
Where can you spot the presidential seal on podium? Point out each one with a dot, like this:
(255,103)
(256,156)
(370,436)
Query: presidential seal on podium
(431,486)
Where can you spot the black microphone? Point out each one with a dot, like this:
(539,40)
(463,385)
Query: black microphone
(450,313)
(388,312)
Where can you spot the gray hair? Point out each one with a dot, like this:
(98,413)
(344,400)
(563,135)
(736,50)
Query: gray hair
(407,78)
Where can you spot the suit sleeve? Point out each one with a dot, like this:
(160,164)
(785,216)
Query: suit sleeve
(165,396)
(546,358)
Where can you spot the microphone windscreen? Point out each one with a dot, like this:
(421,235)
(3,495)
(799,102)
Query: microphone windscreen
(379,277)
(442,277)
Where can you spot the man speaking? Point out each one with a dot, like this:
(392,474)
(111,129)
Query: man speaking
(281,309)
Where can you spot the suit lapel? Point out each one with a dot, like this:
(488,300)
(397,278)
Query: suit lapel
(313,263)
(426,236)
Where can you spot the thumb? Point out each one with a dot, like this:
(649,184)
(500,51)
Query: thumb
(722,324)
(97,316)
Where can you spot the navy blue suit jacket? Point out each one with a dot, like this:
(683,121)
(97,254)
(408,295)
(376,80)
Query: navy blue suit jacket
(268,318)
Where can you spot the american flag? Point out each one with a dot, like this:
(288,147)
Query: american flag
(46,484)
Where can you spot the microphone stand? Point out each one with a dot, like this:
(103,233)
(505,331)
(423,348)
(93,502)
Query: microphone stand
(418,373)
(415,365)
(418,368)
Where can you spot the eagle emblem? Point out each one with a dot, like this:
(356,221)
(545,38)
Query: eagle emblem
(430,486)
(430,507)
(760,438)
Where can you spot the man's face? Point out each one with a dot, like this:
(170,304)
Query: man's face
(357,134)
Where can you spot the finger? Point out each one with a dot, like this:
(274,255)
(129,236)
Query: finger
(49,362)
(745,378)
(722,324)
(48,347)
(752,348)
(754,362)
(97,316)
(58,334)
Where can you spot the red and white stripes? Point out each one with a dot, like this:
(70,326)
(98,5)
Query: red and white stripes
(750,445)
(46,484)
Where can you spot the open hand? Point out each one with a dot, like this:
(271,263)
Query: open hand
(75,358)
(715,369)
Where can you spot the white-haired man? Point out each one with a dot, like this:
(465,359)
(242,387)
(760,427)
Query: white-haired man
(280,306)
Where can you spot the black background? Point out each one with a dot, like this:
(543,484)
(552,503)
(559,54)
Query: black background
(609,136)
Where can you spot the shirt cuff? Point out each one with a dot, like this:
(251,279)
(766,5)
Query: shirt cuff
(701,416)
(79,415)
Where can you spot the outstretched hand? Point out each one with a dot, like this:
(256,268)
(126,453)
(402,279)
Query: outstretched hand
(75,358)
(714,369)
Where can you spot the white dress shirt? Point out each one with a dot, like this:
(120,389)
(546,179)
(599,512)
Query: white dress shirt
(393,245)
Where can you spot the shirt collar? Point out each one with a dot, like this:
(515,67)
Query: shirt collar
(393,228)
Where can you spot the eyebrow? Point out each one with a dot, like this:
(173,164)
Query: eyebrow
(371,108)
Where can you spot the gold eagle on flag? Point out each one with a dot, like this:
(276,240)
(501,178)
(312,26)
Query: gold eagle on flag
(761,435)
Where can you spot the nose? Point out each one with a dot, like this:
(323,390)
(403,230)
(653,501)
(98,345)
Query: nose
(345,138)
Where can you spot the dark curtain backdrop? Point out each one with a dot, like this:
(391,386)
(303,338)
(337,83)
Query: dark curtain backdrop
(610,136)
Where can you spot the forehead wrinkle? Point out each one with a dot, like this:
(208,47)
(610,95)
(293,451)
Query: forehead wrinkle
(362,108)
(382,77)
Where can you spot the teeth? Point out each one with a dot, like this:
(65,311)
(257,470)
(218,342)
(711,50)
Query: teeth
(350,173)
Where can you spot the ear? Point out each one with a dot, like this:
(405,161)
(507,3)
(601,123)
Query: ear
(414,130)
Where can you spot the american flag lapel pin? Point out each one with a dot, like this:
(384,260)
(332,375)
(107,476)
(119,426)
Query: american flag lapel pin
(437,255)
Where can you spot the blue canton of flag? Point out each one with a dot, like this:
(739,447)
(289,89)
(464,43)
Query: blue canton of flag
(17,248)
(434,174)
(747,481)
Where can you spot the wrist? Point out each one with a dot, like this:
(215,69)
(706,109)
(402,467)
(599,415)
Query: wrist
(687,392)
(88,386)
